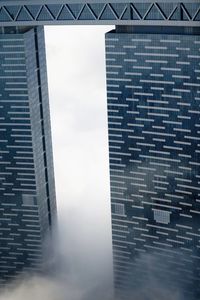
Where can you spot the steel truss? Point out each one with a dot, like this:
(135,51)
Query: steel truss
(28,12)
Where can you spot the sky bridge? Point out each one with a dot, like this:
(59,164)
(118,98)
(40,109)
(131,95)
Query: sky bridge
(100,12)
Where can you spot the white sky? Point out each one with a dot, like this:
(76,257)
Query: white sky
(77,92)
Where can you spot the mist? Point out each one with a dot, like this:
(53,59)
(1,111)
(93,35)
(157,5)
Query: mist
(76,271)
(81,266)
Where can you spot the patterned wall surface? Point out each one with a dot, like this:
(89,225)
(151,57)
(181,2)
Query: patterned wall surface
(153,90)
(26,179)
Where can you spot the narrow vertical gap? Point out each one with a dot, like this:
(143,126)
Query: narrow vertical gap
(42,125)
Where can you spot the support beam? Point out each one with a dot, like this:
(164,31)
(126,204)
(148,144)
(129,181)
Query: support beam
(101,12)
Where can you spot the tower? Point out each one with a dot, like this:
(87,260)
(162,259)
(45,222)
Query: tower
(153,109)
(153,91)
(27,192)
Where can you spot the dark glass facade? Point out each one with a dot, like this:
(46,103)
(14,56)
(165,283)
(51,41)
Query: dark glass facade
(153,92)
(27,192)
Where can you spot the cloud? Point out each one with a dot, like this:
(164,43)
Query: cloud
(80,269)
(76,65)
(82,265)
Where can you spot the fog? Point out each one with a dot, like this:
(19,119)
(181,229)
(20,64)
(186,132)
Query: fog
(82,265)
(81,268)
(77,85)
(76,271)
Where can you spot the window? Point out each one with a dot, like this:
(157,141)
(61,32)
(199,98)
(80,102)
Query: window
(28,200)
(118,208)
(162,216)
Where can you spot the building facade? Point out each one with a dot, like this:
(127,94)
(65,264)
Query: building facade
(27,192)
(153,92)
(153,112)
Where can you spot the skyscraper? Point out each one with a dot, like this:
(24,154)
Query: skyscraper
(27,193)
(153,109)
(153,91)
